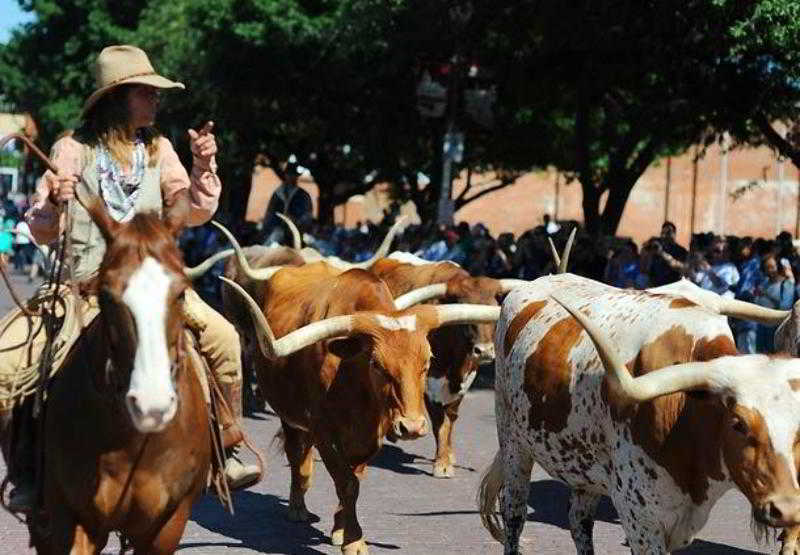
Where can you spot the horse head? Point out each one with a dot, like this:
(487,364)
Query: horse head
(141,286)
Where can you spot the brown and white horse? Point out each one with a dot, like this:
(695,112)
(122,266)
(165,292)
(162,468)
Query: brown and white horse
(126,432)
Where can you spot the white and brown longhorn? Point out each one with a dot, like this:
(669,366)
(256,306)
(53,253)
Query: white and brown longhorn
(650,405)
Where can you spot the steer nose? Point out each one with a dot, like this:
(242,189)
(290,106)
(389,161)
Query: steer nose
(410,428)
(153,415)
(779,511)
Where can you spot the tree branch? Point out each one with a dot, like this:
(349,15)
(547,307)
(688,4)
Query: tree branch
(505,182)
(784,147)
(467,187)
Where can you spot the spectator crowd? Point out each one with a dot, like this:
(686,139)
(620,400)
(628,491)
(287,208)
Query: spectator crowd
(757,270)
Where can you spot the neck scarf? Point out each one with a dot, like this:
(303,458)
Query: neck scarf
(120,190)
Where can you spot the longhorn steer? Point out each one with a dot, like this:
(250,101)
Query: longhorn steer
(664,435)
(457,350)
(348,369)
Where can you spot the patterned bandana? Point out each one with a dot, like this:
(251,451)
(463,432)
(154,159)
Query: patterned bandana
(119,190)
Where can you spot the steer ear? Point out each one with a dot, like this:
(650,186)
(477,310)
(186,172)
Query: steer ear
(347,347)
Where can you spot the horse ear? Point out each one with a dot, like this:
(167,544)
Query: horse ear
(96,208)
(176,211)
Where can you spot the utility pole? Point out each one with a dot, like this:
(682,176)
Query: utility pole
(452,144)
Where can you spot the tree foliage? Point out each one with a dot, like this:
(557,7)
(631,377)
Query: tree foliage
(596,89)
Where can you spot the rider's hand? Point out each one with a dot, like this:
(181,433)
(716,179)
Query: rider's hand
(203,145)
(62,188)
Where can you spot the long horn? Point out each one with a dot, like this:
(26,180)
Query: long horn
(507,285)
(297,238)
(454,314)
(562,267)
(554,252)
(383,250)
(671,379)
(260,274)
(296,340)
(196,271)
(749,311)
(420,295)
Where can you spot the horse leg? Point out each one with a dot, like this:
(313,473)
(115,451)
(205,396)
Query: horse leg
(298,450)
(347,487)
(67,535)
(168,537)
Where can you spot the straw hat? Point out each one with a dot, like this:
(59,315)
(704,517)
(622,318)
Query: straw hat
(122,65)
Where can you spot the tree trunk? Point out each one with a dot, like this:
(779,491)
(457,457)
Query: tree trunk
(326,202)
(236,181)
(615,207)
(591,208)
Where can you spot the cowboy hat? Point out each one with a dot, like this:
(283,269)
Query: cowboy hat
(122,65)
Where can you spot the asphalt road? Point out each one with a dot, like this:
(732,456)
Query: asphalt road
(402,508)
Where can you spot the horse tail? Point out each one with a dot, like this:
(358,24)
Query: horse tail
(488,493)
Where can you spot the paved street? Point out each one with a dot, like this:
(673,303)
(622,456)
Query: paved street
(402,508)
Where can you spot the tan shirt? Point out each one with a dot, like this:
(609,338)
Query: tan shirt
(203,184)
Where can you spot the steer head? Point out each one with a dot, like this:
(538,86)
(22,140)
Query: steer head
(140,288)
(393,345)
(758,407)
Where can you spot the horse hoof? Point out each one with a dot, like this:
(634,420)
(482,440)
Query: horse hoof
(337,537)
(442,470)
(356,548)
(298,514)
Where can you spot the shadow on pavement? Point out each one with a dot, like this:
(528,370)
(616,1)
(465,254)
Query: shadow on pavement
(259,524)
(392,457)
(549,500)
(702,546)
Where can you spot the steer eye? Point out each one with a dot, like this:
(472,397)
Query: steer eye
(739,425)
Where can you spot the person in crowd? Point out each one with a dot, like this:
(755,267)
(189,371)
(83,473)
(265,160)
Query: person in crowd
(776,290)
(7,224)
(622,269)
(23,246)
(289,199)
(750,277)
(716,273)
(666,266)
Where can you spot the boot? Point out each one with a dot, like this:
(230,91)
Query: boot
(237,474)
(23,470)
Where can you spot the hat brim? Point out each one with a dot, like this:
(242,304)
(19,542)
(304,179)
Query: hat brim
(154,80)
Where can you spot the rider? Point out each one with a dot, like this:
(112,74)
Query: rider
(119,155)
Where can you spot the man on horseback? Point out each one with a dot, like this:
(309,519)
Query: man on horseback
(121,157)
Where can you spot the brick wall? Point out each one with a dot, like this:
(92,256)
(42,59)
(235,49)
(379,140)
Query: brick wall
(741,192)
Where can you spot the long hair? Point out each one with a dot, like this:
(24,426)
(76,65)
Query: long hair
(108,123)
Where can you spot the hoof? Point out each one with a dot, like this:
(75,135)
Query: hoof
(441,470)
(356,548)
(299,514)
(337,537)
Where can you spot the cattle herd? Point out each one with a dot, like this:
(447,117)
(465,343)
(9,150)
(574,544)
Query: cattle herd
(640,396)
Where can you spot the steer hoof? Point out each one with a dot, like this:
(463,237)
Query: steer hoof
(442,470)
(337,537)
(356,548)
